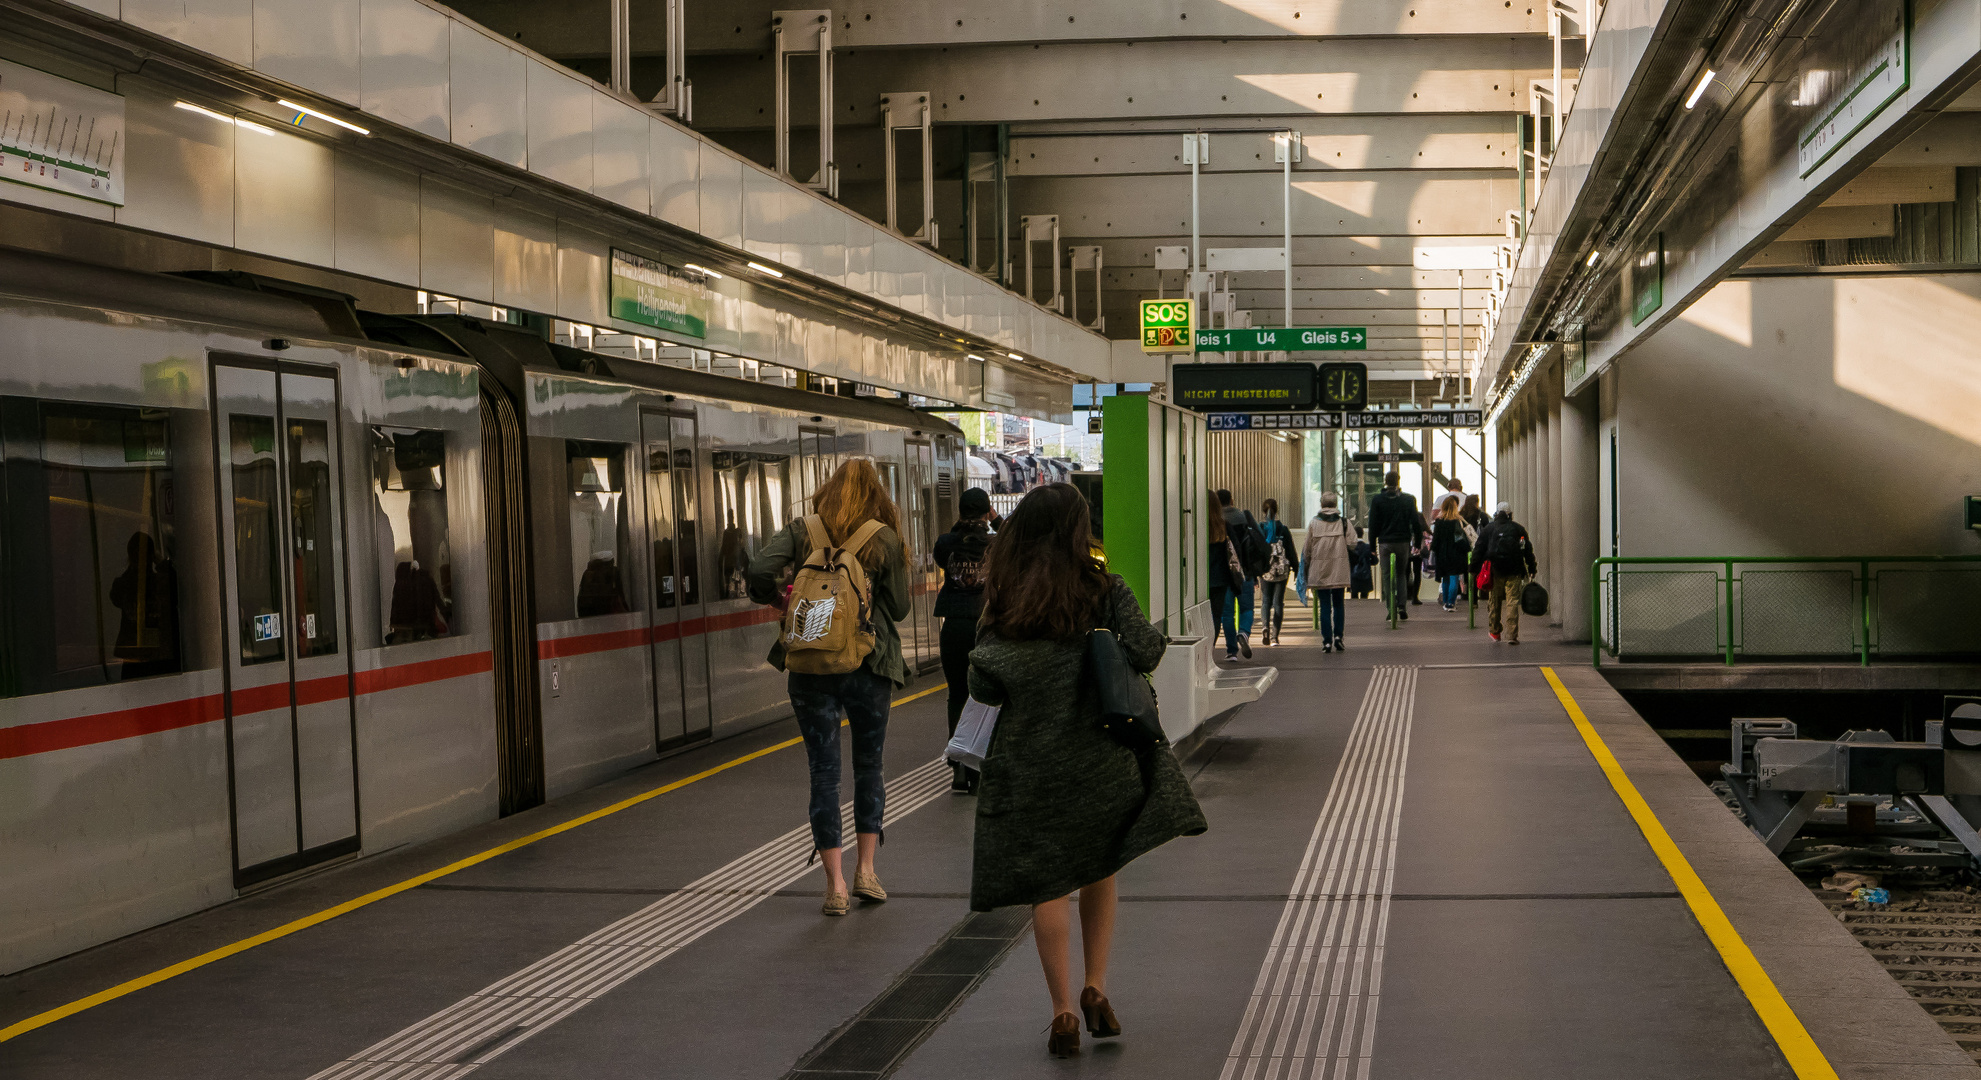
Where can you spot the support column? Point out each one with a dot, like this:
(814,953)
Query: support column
(1580,495)
(1554,578)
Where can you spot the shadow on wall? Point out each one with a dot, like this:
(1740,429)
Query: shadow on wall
(1805,416)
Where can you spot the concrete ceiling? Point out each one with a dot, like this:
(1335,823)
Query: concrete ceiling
(1405,107)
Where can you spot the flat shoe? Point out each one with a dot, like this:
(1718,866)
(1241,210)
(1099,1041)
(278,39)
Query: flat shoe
(1101,1023)
(866,886)
(836,904)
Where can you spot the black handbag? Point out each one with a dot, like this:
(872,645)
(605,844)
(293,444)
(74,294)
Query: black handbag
(1127,700)
(1534,599)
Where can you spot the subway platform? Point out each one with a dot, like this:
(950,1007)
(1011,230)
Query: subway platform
(1428,856)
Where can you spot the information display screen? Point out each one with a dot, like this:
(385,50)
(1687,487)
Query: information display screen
(1244,387)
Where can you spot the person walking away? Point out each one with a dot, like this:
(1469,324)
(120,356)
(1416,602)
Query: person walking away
(1454,492)
(846,504)
(1326,568)
(1476,521)
(1451,549)
(1062,805)
(962,553)
(1361,567)
(1249,549)
(1226,577)
(1505,545)
(1420,552)
(1393,521)
(1282,560)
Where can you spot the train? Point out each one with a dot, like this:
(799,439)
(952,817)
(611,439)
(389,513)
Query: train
(284,581)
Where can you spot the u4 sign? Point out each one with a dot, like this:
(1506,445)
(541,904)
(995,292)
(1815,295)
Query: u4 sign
(1166,325)
(1284,339)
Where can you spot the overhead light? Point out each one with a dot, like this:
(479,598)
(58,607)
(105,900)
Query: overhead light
(1593,256)
(762,269)
(223,117)
(325,117)
(978,359)
(706,271)
(1704,81)
(1014,356)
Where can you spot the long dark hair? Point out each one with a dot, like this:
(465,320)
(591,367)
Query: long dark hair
(1042,580)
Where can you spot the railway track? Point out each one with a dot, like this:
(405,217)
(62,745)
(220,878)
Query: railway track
(1929,939)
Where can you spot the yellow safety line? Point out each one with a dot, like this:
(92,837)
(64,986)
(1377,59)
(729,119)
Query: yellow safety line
(348,906)
(1796,1044)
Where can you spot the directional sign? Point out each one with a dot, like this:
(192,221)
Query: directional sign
(1390,458)
(1166,325)
(1418,418)
(1283,339)
(1240,421)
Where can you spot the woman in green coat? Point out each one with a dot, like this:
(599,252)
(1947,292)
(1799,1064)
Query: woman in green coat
(1061,805)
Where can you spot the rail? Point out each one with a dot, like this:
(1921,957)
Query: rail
(1785,607)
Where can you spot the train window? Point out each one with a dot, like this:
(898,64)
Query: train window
(313,516)
(257,536)
(753,492)
(409,528)
(89,546)
(599,530)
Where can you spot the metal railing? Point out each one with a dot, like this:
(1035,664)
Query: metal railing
(1786,607)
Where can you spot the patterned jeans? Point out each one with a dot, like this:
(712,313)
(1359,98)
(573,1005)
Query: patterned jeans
(819,701)
(1506,599)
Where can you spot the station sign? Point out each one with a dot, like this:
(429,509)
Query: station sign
(1418,418)
(1283,339)
(657,295)
(1167,325)
(1391,458)
(1247,387)
(1299,421)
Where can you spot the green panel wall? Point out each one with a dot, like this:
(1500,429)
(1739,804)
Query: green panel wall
(1125,511)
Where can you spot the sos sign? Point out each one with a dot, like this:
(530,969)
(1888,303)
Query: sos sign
(1169,325)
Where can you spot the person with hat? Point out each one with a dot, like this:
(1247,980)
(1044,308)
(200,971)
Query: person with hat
(962,553)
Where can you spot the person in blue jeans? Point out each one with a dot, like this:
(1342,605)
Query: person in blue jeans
(1452,550)
(1324,568)
(1227,583)
(1243,531)
(851,498)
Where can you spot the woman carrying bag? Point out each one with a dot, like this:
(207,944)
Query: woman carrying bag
(1285,562)
(1451,547)
(1062,805)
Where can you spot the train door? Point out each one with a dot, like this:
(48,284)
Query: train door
(292,758)
(816,461)
(680,640)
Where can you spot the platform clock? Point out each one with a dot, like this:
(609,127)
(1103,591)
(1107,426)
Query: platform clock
(1344,386)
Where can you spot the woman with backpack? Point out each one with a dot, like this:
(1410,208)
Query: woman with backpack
(842,653)
(962,553)
(1063,806)
(1280,567)
(1451,549)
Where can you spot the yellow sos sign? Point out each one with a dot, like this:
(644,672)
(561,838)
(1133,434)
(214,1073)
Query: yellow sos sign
(1169,325)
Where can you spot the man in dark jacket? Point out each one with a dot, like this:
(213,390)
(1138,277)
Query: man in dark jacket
(1504,544)
(962,553)
(1242,530)
(1393,524)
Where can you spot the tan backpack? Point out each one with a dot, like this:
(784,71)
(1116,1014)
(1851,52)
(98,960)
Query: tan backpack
(828,628)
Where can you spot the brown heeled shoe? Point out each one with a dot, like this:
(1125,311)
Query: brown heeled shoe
(1101,1023)
(1065,1038)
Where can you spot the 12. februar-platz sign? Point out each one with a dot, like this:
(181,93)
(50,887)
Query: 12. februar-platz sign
(61,135)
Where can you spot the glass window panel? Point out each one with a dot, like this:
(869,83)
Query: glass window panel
(751,487)
(409,529)
(599,530)
(257,536)
(686,507)
(313,516)
(660,506)
(112,586)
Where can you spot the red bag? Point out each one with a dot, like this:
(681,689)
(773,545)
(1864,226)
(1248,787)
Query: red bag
(1485,580)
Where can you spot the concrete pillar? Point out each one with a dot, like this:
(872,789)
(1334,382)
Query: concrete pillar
(1580,510)
(1552,388)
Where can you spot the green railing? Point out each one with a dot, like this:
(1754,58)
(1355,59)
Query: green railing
(1786,607)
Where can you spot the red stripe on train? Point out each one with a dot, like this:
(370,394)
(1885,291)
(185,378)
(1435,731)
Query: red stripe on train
(554,648)
(151,719)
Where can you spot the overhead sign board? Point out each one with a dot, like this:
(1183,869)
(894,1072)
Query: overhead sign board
(1284,339)
(657,295)
(1883,73)
(1244,387)
(1299,421)
(1166,325)
(1392,458)
(61,135)
(1418,418)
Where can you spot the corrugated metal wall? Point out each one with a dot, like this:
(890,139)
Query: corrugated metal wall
(1255,466)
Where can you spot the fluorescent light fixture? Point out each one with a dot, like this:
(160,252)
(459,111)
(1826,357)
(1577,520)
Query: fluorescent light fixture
(1593,256)
(1704,81)
(705,270)
(325,117)
(223,117)
(978,359)
(762,269)
(1014,356)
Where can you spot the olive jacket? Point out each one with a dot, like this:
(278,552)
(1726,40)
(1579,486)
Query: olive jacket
(1061,804)
(887,576)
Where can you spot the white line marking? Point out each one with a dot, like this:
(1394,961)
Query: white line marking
(480,1027)
(1312,1015)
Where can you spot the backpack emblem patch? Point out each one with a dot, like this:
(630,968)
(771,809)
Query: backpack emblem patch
(812,618)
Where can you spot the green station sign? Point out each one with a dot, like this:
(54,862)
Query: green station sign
(1284,339)
(657,295)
